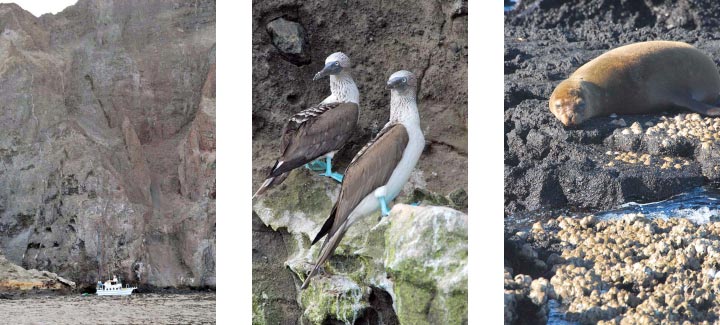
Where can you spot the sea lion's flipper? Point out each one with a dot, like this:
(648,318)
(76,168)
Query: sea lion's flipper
(696,106)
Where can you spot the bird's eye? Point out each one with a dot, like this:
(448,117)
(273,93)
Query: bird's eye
(337,63)
(404,79)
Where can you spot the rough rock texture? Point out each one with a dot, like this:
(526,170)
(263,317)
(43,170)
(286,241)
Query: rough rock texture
(549,167)
(410,267)
(15,278)
(274,292)
(525,299)
(426,257)
(107,155)
(632,270)
(291,40)
(380,37)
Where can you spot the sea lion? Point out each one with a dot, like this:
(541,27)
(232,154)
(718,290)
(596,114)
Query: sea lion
(639,78)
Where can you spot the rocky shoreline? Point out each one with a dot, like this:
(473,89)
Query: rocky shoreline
(627,270)
(19,283)
(550,168)
(15,280)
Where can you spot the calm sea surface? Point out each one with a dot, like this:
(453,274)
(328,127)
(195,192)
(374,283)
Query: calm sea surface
(195,308)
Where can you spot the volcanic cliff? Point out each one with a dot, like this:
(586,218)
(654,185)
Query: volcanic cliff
(107,141)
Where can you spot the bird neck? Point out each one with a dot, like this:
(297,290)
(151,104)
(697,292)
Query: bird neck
(403,107)
(343,88)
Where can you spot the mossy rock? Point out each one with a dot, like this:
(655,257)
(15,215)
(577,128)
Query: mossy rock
(258,315)
(457,199)
(426,257)
(427,282)
(301,203)
(337,297)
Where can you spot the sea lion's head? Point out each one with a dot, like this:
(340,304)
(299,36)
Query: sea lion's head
(571,103)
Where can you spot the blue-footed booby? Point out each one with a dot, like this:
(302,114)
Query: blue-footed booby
(320,130)
(379,171)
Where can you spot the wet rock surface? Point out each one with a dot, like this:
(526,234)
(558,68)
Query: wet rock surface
(625,271)
(274,292)
(107,155)
(551,168)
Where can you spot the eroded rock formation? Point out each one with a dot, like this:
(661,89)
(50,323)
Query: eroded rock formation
(107,155)
(14,278)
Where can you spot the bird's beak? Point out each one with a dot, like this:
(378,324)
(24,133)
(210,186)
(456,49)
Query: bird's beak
(330,68)
(394,83)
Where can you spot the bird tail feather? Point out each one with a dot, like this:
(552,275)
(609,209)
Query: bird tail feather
(326,251)
(264,187)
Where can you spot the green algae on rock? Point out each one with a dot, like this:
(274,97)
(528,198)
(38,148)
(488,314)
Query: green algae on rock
(337,297)
(426,257)
(372,256)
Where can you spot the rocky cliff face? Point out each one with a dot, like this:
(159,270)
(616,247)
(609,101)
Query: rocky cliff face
(372,284)
(291,40)
(107,155)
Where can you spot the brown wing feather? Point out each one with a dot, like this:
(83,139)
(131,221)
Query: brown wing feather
(370,169)
(314,132)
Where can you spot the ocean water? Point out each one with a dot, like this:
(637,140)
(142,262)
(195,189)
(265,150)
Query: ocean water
(509,5)
(194,308)
(556,315)
(701,205)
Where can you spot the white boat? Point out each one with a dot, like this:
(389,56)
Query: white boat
(113,288)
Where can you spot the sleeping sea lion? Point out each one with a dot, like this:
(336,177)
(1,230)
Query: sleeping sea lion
(639,78)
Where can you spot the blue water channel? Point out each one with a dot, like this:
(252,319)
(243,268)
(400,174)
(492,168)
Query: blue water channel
(509,5)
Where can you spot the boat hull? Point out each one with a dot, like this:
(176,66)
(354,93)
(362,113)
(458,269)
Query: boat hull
(116,292)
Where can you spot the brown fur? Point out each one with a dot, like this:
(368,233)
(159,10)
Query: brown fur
(639,78)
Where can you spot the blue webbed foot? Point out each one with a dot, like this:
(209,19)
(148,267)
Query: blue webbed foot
(336,176)
(316,165)
(384,207)
(415,204)
(328,171)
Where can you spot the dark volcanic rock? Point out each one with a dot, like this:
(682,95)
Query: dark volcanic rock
(426,37)
(548,166)
(271,281)
(107,138)
(289,38)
